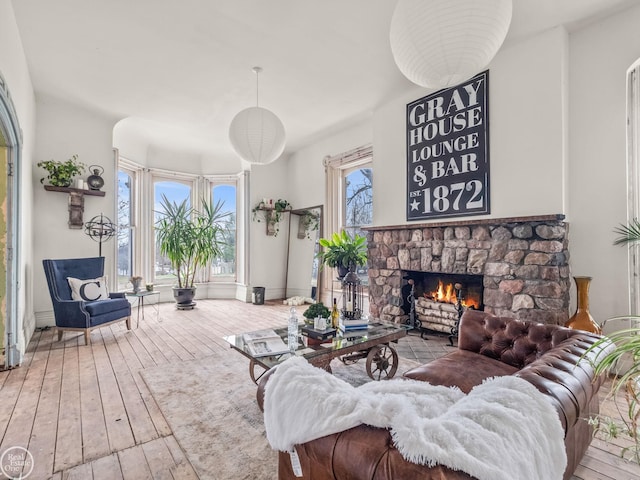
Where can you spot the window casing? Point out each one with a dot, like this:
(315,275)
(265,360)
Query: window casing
(174,190)
(127,186)
(349,197)
(633,174)
(226,192)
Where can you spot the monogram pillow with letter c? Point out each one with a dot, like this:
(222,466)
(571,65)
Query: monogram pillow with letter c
(88,290)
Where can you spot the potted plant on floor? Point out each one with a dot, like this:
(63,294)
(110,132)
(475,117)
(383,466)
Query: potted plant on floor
(623,362)
(342,251)
(190,239)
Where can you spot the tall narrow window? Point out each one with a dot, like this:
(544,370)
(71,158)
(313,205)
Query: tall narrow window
(349,196)
(126,226)
(173,191)
(358,205)
(225,264)
(633,172)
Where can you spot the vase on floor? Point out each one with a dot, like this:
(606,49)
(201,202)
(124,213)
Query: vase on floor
(582,319)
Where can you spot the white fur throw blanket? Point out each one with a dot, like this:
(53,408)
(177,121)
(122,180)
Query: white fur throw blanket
(503,429)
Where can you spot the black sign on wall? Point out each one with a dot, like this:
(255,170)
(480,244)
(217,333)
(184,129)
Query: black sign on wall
(448,152)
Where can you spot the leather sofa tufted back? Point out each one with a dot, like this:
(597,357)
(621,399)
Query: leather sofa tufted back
(514,342)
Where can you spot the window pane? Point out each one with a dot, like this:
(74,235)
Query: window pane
(225,264)
(359,198)
(125,229)
(175,192)
(358,203)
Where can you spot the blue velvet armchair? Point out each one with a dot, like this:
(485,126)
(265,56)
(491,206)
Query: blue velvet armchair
(94,309)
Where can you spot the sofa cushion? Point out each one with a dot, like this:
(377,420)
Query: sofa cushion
(100,307)
(460,368)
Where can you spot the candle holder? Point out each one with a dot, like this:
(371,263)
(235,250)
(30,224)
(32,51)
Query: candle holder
(351,296)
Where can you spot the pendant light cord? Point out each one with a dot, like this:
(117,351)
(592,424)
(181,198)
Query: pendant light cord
(257,71)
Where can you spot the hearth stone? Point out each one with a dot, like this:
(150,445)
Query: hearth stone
(524,262)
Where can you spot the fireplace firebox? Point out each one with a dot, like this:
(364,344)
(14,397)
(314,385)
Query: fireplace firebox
(434,301)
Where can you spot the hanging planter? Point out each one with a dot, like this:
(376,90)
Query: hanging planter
(271,213)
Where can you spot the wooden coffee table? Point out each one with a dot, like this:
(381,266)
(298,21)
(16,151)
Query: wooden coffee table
(376,346)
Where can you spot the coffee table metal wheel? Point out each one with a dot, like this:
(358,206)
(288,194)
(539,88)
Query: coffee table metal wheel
(382,362)
(256,375)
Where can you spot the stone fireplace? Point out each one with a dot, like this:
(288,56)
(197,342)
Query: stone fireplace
(524,262)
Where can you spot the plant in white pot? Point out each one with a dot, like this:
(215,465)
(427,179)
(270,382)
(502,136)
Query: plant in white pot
(190,239)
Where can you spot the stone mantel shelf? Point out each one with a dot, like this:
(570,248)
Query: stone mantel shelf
(458,223)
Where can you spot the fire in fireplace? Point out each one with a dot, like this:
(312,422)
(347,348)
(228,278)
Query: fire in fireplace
(446,293)
(435,298)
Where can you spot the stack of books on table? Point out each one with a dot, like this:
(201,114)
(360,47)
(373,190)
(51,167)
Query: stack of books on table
(353,328)
(317,337)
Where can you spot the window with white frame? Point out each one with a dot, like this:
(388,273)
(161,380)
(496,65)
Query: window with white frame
(349,195)
(174,191)
(224,193)
(633,172)
(126,225)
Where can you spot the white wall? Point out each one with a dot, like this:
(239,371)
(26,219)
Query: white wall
(267,254)
(13,67)
(527,135)
(306,182)
(64,130)
(600,55)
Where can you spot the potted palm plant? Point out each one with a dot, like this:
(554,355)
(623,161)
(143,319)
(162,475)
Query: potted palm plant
(342,251)
(623,362)
(190,239)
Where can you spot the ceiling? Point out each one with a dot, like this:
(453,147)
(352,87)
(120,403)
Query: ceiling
(177,71)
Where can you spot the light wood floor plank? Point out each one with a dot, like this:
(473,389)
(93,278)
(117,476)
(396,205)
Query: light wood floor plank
(42,444)
(81,472)
(141,424)
(159,459)
(133,464)
(107,468)
(69,438)
(20,427)
(94,428)
(134,366)
(183,469)
(115,415)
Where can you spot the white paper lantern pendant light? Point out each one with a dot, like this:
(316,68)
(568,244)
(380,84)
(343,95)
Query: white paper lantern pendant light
(440,43)
(256,134)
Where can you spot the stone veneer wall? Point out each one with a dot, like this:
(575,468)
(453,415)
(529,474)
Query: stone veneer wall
(525,263)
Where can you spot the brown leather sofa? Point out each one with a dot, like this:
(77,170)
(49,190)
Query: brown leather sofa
(548,356)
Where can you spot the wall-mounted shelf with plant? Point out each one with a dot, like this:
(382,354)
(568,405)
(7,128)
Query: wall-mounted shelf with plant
(309,222)
(271,213)
(61,174)
(60,177)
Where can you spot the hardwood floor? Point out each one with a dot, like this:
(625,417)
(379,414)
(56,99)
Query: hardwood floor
(84,412)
